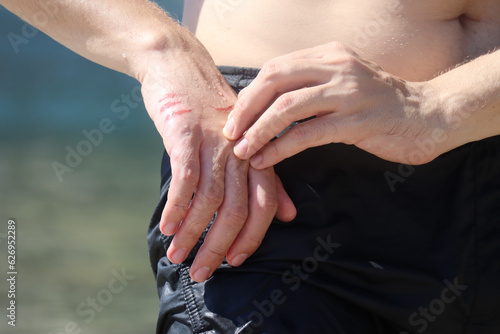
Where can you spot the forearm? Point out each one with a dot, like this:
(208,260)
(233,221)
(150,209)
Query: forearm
(468,99)
(122,35)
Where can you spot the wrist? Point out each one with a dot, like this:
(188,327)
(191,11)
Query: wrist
(455,107)
(468,102)
(446,105)
(159,50)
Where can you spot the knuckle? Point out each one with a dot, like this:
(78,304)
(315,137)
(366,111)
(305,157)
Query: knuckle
(213,196)
(213,251)
(175,155)
(237,173)
(262,136)
(185,134)
(336,45)
(193,231)
(284,103)
(275,149)
(270,69)
(241,104)
(253,242)
(189,175)
(184,162)
(176,206)
(269,203)
(186,130)
(300,134)
(237,215)
(344,63)
(319,132)
(350,62)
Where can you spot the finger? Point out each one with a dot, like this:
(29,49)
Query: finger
(207,199)
(288,108)
(276,77)
(185,164)
(315,132)
(263,204)
(286,209)
(230,219)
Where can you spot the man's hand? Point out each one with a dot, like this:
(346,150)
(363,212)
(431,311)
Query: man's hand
(189,100)
(347,100)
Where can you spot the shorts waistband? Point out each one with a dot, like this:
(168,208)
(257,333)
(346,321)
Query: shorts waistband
(238,77)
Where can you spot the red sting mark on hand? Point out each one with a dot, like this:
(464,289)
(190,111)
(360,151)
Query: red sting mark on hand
(169,105)
(169,102)
(226,109)
(167,96)
(176,113)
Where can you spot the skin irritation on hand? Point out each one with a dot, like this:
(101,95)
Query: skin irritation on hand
(170,101)
(226,109)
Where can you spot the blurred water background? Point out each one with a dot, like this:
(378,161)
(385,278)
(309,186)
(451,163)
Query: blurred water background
(74,236)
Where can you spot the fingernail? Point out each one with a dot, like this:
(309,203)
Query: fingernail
(239,259)
(256,160)
(241,148)
(179,255)
(228,130)
(202,274)
(169,229)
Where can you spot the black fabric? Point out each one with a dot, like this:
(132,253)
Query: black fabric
(377,247)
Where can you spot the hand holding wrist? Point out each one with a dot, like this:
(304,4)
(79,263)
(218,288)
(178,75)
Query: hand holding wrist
(346,99)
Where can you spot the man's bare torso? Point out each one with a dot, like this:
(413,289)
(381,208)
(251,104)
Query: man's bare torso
(414,39)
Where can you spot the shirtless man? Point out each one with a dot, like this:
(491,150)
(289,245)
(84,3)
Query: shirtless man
(396,232)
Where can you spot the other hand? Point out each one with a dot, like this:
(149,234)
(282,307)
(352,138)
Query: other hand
(345,98)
